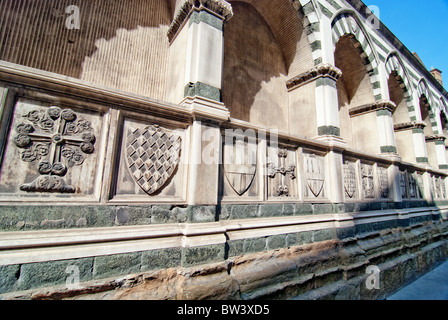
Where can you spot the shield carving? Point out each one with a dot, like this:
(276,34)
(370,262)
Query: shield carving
(240,165)
(314,174)
(152,155)
(350,179)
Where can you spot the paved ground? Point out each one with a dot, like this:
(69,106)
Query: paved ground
(432,286)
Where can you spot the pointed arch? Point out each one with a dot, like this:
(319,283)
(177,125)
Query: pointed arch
(423,90)
(395,68)
(427,106)
(348,24)
(395,64)
(444,106)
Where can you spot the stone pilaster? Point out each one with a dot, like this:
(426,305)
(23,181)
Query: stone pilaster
(203,22)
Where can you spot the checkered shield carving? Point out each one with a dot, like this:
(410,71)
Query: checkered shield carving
(152,155)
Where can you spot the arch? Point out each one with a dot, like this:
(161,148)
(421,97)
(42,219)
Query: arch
(444,107)
(395,64)
(348,24)
(401,95)
(427,106)
(395,68)
(423,90)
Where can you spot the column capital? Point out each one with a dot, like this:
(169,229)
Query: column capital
(416,126)
(382,106)
(323,70)
(219,8)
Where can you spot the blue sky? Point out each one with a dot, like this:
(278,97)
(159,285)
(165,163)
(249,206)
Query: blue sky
(422,26)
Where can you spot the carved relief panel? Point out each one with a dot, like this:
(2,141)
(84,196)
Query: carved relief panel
(150,163)
(383,182)
(314,176)
(350,180)
(439,187)
(281,173)
(368,181)
(404,185)
(52,150)
(240,173)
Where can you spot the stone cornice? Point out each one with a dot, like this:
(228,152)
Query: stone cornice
(220,8)
(322,70)
(382,105)
(435,137)
(409,126)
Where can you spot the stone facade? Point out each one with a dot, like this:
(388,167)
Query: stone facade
(279,149)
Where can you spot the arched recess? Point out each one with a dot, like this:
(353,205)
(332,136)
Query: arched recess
(444,122)
(427,108)
(346,24)
(400,93)
(428,117)
(264,44)
(359,87)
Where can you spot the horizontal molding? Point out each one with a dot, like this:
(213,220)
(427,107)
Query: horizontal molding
(53,245)
(71,88)
(41,246)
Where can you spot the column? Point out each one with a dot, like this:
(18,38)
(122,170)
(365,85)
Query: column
(197,55)
(196,34)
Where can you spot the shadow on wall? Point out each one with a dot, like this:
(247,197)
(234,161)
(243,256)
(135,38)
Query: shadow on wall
(256,63)
(111,34)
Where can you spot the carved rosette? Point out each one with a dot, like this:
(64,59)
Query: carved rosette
(152,155)
(53,140)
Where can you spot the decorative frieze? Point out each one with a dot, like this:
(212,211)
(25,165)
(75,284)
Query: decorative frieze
(321,71)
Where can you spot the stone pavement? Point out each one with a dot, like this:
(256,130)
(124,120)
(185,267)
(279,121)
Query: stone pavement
(432,286)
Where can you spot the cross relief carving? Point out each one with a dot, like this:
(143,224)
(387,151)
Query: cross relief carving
(282,189)
(55,141)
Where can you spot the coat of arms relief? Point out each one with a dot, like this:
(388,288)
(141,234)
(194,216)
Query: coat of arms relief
(152,156)
(240,163)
